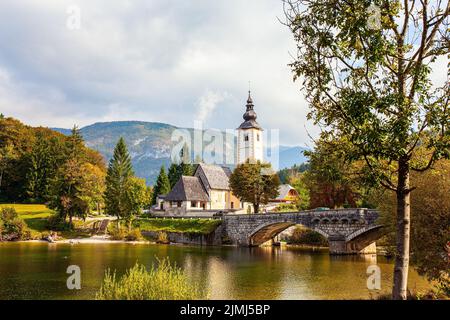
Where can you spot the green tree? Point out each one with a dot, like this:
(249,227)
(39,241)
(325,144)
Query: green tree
(254,183)
(16,141)
(285,174)
(134,198)
(298,182)
(185,167)
(371,84)
(47,155)
(120,170)
(71,190)
(95,185)
(162,185)
(75,143)
(7,156)
(429,210)
(332,179)
(173,174)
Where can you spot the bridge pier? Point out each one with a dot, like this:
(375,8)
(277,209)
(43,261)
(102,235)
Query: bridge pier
(342,247)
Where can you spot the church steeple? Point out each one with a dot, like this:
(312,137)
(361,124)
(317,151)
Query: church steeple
(250,138)
(250,115)
(249,101)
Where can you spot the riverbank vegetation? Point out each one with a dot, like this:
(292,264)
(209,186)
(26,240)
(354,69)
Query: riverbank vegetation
(12,227)
(190,226)
(161,282)
(34,215)
(304,236)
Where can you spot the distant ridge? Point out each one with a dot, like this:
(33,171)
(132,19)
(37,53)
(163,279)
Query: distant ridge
(150,144)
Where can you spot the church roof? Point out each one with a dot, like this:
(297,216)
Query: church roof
(250,116)
(283,191)
(217,177)
(188,189)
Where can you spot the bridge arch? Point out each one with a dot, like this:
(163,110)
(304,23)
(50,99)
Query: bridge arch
(270,230)
(363,238)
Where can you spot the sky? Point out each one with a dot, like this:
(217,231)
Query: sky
(165,61)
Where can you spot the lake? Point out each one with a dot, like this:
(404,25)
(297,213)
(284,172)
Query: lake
(38,270)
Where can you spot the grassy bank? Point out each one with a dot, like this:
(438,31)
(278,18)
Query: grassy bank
(192,226)
(34,215)
(36,218)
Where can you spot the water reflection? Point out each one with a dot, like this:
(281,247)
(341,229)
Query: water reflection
(38,271)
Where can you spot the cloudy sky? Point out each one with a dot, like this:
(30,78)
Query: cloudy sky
(165,61)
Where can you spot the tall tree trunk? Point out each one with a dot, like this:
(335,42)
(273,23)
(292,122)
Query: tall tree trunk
(399,291)
(256,207)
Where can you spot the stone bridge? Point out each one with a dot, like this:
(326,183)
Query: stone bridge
(349,231)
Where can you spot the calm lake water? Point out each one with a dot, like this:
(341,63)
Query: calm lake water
(38,270)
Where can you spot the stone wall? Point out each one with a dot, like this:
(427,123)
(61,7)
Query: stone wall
(212,239)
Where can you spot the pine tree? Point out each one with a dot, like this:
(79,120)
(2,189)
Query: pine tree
(75,143)
(119,171)
(162,185)
(173,174)
(185,167)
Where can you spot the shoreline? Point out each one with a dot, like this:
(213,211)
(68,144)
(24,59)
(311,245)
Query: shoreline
(90,240)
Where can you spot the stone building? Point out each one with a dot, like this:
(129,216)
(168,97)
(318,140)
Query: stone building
(208,189)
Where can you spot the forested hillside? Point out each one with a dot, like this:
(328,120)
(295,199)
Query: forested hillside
(30,158)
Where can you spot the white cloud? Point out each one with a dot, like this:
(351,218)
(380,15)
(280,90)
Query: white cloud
(207,103)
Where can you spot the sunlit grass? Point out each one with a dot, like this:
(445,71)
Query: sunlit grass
(34,215)
(161,282)
(192,226)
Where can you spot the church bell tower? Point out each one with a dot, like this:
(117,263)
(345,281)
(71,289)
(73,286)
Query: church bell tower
(250,138)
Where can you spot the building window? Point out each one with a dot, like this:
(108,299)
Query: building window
(257,137)
(246,137)
(232,205)
(194,204)
(179,204)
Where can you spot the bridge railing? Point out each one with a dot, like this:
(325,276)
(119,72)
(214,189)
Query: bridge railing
(343,211)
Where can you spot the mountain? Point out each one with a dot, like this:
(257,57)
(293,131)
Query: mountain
(150,144)
(291,155)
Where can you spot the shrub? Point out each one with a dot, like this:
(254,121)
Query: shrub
(162,282)
(116,233)
(134,235)
(286,207)
(163,238)
(12,227)
(307,237)
(55,222)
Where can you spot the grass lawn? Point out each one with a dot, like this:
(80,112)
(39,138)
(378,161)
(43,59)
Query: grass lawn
(193,226)
(34,215)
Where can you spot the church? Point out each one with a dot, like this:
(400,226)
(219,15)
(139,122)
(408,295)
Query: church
(208,189)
